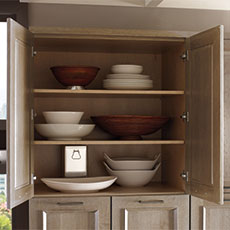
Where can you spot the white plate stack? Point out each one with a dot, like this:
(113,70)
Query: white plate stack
(127,77)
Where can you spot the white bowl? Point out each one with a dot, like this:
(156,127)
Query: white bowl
(128,81)
(74,185)
(136,69)
(64,131)
(130,163)
(132,178)
(62,117)
(130,86)
(127,76)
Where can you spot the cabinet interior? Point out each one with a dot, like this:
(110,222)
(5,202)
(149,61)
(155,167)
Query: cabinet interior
(161,59)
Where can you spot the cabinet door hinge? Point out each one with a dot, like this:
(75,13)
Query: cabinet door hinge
(185,56)
(185,116)
(184,175)
(33,178)
(33,52)
(33,114)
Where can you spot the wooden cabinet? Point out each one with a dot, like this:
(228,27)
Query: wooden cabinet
(209,216)
(70,213)
(187,75)
(150,212)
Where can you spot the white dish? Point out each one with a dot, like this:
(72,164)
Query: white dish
(128,81)
(64,131)
(75,185)
(129,163)
(132,178)
(136,69)
(62,117)
(127,76)
(131,86)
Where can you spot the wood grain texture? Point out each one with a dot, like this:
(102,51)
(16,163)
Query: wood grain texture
(19,124)
(70,213)
(111,142)
(173,77)
(154,188)
(209,216)
(204,137)
(150,212)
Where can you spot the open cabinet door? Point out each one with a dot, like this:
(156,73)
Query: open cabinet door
(19,122)
(205,104)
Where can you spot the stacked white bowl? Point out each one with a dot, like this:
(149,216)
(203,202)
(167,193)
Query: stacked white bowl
(132,172)
(63,125)
(127,77)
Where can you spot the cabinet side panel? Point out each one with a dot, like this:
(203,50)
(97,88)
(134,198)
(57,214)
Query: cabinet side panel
(173,156)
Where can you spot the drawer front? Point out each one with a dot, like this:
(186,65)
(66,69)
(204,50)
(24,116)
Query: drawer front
(70,213)
(150,212)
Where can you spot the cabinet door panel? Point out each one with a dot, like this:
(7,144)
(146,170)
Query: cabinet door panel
(205,104)
(19,127)
(209,216)
(70,213)
(150,212)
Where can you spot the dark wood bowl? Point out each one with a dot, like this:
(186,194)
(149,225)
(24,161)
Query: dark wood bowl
(74,75)
(130,127)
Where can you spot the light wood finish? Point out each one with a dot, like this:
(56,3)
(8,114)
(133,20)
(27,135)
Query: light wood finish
(19,95)
(150,212)
(173,77)
(70,213)
(95,33)
(226,114)
(66,92)
(110,142)
(209,216)
(154,188)
(205,139)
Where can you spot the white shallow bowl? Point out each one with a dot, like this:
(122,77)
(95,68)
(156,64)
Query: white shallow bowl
(135,69)
(127,76)
(76,185)
(130,163)
(62,117)
(64,131)
(124,86)
(132,178)
(128,81)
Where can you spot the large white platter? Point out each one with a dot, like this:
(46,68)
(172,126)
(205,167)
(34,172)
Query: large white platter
(76,185)
(64,132)
(131,86)
(127,76)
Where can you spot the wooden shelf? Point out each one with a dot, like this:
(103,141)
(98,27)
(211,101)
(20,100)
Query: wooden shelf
(51,92)
(110,142)
(42,190)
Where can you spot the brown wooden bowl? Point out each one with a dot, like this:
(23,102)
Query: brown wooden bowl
(74,75)
(130,127)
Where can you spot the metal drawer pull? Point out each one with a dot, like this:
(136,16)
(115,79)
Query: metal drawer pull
(150,201)
(70,203)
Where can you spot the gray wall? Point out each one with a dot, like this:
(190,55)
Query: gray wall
(126,17)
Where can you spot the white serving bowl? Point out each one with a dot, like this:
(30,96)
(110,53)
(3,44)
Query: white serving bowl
(75,185)
(64,131)
(130,163)
(132,178)
(62,117)
(127,76)
(136,69)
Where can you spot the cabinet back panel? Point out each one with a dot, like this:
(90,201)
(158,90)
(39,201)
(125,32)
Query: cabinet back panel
(44,60)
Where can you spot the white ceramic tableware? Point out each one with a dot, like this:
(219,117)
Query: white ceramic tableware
(135,69)
(128,81)
(132,178)
(127,76)
(62,117)
(124,86)
(130,163)
(76,185)
(64,131)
